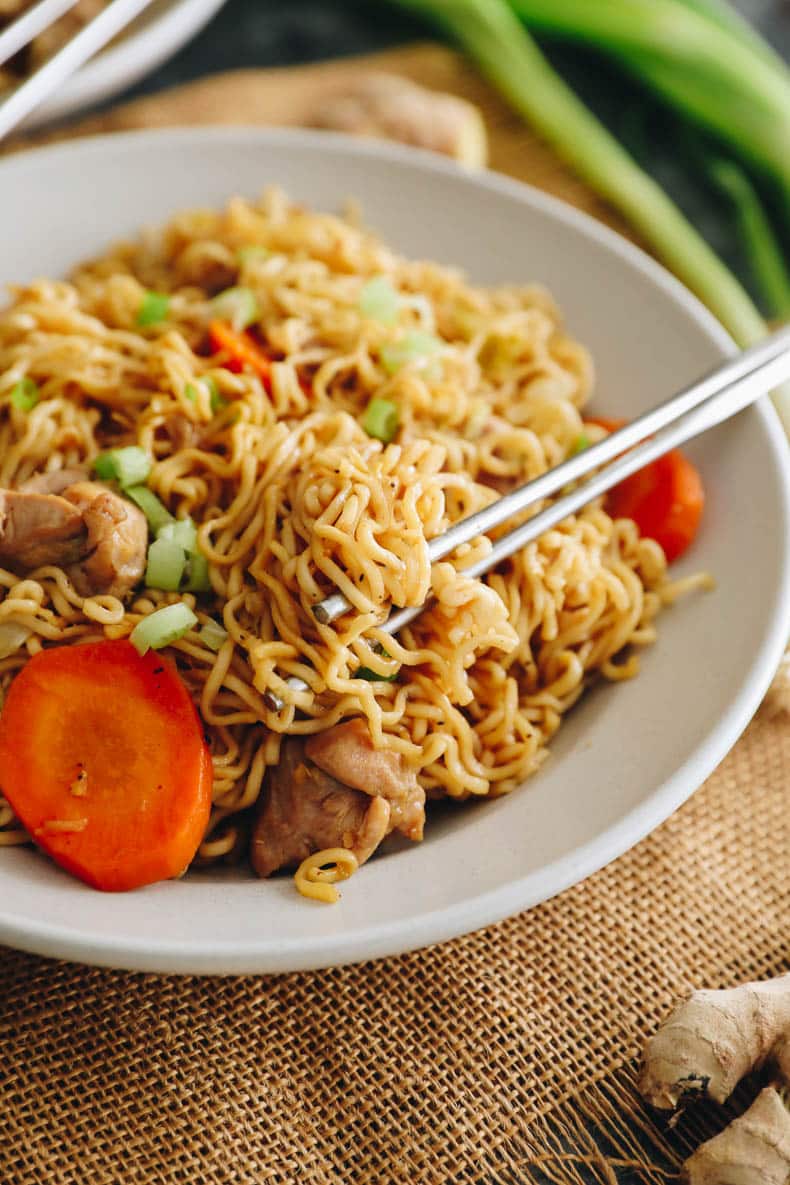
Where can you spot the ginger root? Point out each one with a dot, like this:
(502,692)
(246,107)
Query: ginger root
(397,109)
(705,1047)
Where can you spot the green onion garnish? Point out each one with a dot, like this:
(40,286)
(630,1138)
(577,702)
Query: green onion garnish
(181,531)
(239,306)
(166,563)
(162,627)
(379,301)
(128,466)
(197,578)
(381,419)
(213,635)
(373,676)
(252,252)
(154,308)
(417,346)
(581,442)
(25,394)
(157,514)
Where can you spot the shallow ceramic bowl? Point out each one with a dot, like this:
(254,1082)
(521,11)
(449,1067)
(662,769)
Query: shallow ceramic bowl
(629,754)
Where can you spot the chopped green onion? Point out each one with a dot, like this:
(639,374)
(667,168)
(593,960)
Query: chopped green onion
(381,419)
(12,636)
(128,466)
(379,301)
(25,394)
(162,627)
(581,442)
(417,346)
(198,578)
(190,390)
(213,635)
(239,306)
(372,676)
(166,563)
(181,531)
(252,252)
(154,308)
(157,514)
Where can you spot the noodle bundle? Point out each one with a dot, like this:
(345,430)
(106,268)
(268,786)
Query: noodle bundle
(293,499)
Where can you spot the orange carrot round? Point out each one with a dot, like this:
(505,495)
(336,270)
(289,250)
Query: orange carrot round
(665,499)
(102,758)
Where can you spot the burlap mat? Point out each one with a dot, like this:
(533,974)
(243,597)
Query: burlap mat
(501,1058)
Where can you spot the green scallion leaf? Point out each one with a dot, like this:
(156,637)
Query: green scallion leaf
(251,253)
(128,466)
(581,442)
(197,576)
(381,419)
(25,395)
(379,301)
(416,347)
(154,308)
(213,635)
(238,306)
(155,511)
(162,627)
(166,563)
(182,531)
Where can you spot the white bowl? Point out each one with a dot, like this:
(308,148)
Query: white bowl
(148,42)
(629,754)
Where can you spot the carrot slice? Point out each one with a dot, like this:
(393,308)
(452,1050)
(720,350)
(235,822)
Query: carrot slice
(665,499)
(102,758)
(242,350)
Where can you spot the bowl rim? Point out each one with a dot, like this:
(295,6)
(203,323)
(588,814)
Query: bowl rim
(210,956)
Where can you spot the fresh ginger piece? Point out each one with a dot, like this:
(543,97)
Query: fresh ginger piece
(392,107)
(715,1038)
(752,1150)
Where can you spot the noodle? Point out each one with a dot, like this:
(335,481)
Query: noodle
(294,500)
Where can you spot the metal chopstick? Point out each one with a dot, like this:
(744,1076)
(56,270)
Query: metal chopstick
(726,392)
(27,26)
(556,479)
(93,37)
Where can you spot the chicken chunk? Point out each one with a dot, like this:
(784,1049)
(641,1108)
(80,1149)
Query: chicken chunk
(346,752)
(304,810)
(38,529)
(117,540)
(97,536)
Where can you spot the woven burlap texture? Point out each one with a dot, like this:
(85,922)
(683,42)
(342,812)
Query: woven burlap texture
(501,1058)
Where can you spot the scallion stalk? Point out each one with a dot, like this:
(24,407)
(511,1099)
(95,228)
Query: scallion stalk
(162,627)
(213,635)
(181,531)
(165,567)
(197,573)
(25,395)
(238,306)
(155,511)
(381,419)
(128,466)
(154,308)
(379,301)
(416,346)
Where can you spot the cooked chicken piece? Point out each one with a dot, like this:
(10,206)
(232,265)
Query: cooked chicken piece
(117,540)
(347,753)
(304,810)
(53,483)
(38,529)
